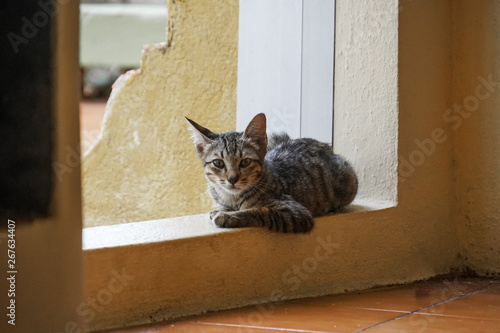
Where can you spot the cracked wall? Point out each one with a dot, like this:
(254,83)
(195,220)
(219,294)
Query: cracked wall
(144,165)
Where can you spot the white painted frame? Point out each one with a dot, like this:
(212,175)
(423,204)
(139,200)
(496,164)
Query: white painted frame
(286,66)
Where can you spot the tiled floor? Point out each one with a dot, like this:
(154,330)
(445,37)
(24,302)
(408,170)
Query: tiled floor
(91,115)
(466,305)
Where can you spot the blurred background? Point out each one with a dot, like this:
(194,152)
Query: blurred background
(105,54)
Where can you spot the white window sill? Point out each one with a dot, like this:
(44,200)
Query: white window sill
(185,227)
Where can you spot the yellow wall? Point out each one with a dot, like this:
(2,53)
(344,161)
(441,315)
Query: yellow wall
(449,162)
(476,57)
(366,95)
(49,283)
(144,166)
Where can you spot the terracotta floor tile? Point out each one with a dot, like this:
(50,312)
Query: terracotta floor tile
(400,298)
(309,318)
(191,327)
(482,305)
(417,323)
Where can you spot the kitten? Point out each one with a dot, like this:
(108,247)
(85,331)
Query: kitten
(280,184)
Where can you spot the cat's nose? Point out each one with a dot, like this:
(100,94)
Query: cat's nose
(233,178)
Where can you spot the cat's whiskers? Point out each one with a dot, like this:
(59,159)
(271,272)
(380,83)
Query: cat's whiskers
(205,192)
(258,188)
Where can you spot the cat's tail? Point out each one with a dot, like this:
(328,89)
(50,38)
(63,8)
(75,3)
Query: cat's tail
(348,181)
(275,140)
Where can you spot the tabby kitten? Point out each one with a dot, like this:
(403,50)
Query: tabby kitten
(280,184)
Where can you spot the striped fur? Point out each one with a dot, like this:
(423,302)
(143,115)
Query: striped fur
(281,184)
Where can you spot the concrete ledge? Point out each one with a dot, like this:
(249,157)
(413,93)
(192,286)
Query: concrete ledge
(186,266)
(114,35)
(184,227)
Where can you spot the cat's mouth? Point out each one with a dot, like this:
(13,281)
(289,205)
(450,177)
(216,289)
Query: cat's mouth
(232,189)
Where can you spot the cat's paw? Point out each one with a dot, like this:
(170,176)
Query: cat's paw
(225,219)
(213,214)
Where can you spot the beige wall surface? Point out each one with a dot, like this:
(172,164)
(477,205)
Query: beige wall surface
(366,95)
(144,165)
(476,129)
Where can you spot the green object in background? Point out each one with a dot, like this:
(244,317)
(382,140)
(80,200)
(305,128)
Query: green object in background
(113,35)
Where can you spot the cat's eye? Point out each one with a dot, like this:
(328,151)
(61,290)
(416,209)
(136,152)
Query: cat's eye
(245,163)
(218,163)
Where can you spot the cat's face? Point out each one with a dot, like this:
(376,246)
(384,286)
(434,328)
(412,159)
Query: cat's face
(232,161)
(231,164)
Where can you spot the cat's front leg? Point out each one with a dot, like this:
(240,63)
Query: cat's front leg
(280,215)
(221,216)
(234,219)
(215,213)
(218,211)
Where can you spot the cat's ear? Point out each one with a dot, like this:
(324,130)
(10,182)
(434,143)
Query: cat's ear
(256,130)
(201,136)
